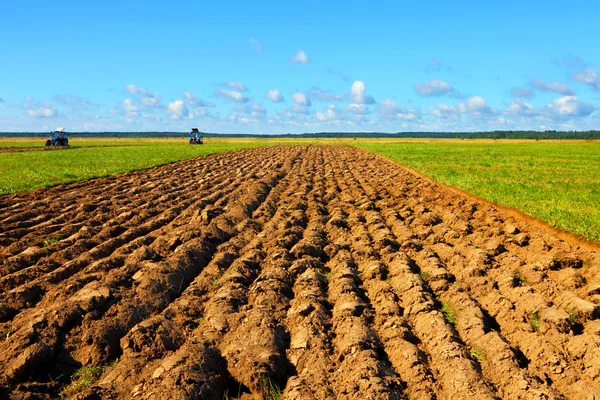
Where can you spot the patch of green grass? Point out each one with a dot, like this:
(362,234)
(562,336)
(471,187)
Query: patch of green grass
(573,319)
(8,334)
(448,312)
(270,390)
(520,278)
(200,320)
(83,378)
(478,354)
(556,181)
(328,275)
(50,241)
(425,276)
(534,319)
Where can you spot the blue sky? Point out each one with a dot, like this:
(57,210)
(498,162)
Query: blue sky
(278,67)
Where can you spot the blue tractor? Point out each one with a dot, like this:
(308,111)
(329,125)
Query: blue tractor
(59,138)
(195,137)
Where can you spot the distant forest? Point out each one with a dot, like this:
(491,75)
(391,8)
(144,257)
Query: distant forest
(418,135)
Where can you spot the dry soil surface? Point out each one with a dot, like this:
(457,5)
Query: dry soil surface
(317,272)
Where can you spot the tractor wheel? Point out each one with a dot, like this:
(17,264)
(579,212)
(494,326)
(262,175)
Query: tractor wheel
(48,143)
(65,142)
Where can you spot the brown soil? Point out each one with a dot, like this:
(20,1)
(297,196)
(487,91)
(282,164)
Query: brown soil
(320,272)
(33,148)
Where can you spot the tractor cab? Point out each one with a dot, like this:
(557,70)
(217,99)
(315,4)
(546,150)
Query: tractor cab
(195,136)
(59,138)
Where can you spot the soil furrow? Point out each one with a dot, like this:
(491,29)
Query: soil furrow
(300,272)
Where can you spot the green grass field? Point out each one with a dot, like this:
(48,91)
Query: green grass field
(27,170)
(558,182)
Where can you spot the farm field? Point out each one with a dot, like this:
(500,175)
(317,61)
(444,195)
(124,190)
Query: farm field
(25,168)
(288,272)
(556,181)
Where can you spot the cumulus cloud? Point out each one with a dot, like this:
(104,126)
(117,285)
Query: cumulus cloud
(564,107)
(231,95)
(389,110)
(444,111)
(589,77)
(177,110)
(130,108)
(522,92)
(570,106)
(322,95)
(192,99)
(475,104)
(301,99)
(146,97)
(433,88)
(522,108)
(45,110)
(556,87)
(300,58)
(257,45)
(358,93)
(330,114)
(358,109)
(235,85)
(475,107)
(274,95)
(254,110)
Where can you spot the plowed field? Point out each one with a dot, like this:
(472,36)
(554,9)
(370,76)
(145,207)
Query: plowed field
(317,272)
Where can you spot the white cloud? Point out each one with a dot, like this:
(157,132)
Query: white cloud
(130,108)
(150,101)
(588,76)
(146,97)
(231,95)
(300,58)
(254,110)
(301,99)
(389,110)
(330,114)
(322,95)
(274,95)
(46,110)
(475,104)
(358,109)
(235,85)
(357,92)
(556,87)
(177,110)
(131,89)
(257,44)
(570,106)
(433,88)
(444,111)
(191,98)
(520,107)
(522,92)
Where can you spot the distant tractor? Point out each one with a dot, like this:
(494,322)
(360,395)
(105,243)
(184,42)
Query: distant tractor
(59,138)
(196,137)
